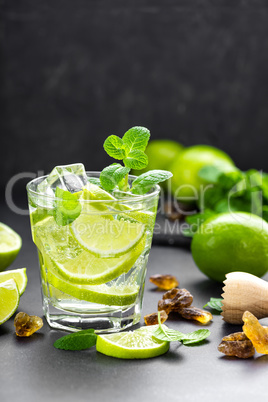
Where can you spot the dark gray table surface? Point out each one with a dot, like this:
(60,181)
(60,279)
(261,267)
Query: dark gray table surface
(31,369)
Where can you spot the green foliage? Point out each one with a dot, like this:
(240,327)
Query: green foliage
(214,304)
(143,183)
(130,149)
(78,341)
(234,191)
(164,333)
(112,175)
(67,207)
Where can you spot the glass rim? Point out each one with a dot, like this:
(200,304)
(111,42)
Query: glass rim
(155,190)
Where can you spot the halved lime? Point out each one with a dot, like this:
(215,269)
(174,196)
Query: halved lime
(138,344)
(19,275)
(9,299)
(76,264)
(115,295)
(10,245)
(106,238)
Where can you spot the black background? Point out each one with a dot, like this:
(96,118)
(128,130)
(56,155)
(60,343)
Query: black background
(74,72)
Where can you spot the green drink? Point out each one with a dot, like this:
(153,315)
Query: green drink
(93,232)
(93,266)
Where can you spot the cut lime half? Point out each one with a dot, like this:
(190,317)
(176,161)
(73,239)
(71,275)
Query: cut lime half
(19,276)
(10,245)
(9,299)
(138,344)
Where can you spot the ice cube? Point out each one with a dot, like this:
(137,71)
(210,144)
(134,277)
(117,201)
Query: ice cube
(68,177)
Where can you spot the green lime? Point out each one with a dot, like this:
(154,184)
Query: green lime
(106,237)
(231,242)
(185,181)
(161,153)
(114,295)
(77,264)
(19,275)
(10,245)
(138,344)
(9,299)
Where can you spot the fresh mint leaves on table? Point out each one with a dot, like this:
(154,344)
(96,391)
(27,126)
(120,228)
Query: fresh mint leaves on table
(130,148)
(215,304)
(236,191)
(171,335)
(78,341)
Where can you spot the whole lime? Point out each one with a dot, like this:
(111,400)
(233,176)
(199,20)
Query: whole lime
(161,153)
(231,242)
(185,182)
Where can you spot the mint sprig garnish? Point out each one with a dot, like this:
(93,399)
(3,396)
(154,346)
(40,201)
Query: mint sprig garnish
(143,183)
(130,148)
(81,340)
(214,303)
(114,147)
(67,207)
(164,333)
(112,175)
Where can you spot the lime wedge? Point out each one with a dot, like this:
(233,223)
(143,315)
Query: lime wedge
(9,299)
(10,245)
(138,344)
(106,238)
(115,295)
(74,263)
(19,275)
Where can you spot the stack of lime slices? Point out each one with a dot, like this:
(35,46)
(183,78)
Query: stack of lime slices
(94,249)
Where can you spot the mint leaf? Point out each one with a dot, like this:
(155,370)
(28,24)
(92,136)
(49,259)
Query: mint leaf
(143,183)
(197,219)
(79,341)
(210,173)
(94,180)
(67,207)
(136,159)
(192,338)
(112,175)
(136,138)
(228,180)
(164,333)
(114,147)
(214,303)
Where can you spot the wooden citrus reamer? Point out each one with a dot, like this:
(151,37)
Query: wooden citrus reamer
(243,291)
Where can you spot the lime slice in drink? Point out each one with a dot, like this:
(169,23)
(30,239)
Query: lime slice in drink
(19,276)
(74,263)
(138,344)
(93,192)
(10,245)
(86,268)
(115,295)
(9,299)
(106,238)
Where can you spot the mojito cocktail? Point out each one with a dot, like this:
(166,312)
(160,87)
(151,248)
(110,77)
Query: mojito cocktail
(93,248)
